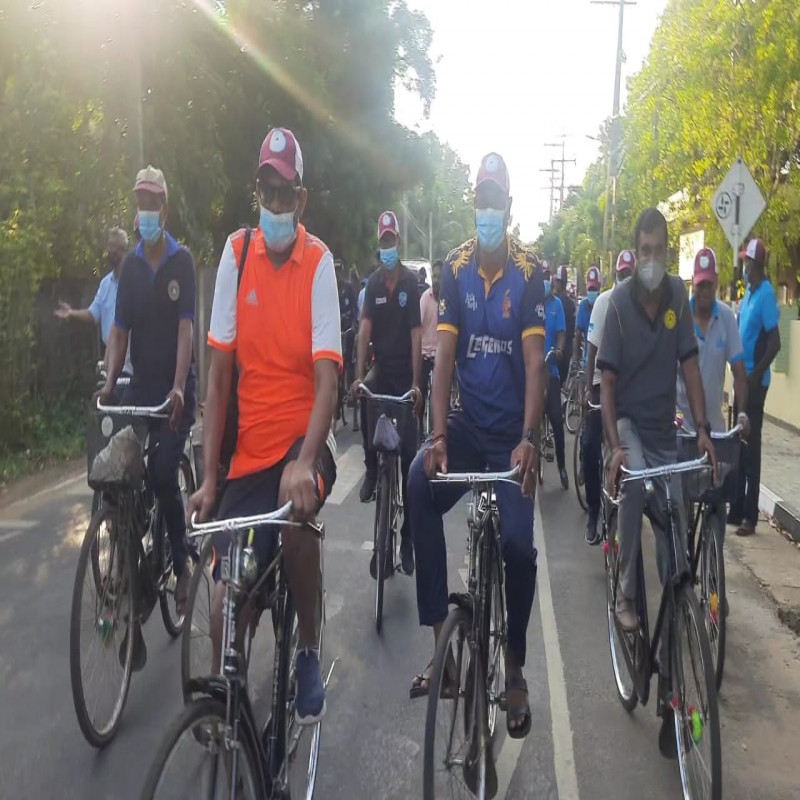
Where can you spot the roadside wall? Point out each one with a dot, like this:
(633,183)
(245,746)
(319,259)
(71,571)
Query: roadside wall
(783,397)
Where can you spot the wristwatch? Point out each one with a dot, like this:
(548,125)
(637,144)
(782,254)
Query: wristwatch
(531,436)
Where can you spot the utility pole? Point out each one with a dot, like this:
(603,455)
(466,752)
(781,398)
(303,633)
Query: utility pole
(430,241)
(561,161)
(613,143)
(552,172)
(405,224)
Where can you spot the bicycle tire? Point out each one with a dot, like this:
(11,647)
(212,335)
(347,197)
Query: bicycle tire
(196,652)
(688,614)
(100,735)
(573,403)
(619,664)
(496,642)
(577,471)
(458,622)
(212,711)
(383,510)
(712,556)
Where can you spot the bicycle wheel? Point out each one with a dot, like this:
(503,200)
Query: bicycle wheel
(383,510)
(195,761)
(626,689)
(712,593)
(497,644)
(100,651)
(694,701)
(573,415)
(196,653)
(456,736)
(577,465)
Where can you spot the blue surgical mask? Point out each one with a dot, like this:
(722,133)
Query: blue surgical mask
(547,287)
(279,230)
(389,257)
(150,226)
(591,295)
(491,225)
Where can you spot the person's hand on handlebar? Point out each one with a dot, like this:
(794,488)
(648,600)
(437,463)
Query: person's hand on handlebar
(526,457)
(355,390)
(103,397)
(299,487)
(435,458)
(743,420)
(175,398)
(202,501)
(618,461)
(419,401)
(706,447)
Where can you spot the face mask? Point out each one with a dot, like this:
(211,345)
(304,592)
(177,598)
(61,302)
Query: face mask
(651,273)
(150,226)
(491,225)
(591,295)
(279,230)
(547,287)
(389,257)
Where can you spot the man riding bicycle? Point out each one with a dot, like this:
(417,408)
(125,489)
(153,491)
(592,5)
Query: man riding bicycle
(155,308)
(390,320)
(648,332)
(429,316)
(278,321)
(561,281)
(348,311)
(492,324)
(593,284)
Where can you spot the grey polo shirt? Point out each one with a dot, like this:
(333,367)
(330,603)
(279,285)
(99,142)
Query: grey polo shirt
(719,346)
(645,354)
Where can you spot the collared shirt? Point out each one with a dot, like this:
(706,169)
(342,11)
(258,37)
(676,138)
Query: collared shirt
(569,319)
(554,324)
(758,317)
(280,321)
(644,354)
(582,322)
(597,322)
(150,306)
(491,318)
(718,346)
(429,315)
(104,305)
(394,313)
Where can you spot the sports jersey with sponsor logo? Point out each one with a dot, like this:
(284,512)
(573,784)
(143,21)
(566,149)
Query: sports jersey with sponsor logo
(491,318)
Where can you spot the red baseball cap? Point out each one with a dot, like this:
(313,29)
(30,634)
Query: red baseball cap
(281,151)
(387,223)
(626,260)
(755,251)
(705,266)
(562,274)
(593,278)
(494,169)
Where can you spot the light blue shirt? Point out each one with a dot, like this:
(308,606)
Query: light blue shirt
(554,324)
(758,317)
(104,305)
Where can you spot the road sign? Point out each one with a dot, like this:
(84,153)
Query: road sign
(737,204)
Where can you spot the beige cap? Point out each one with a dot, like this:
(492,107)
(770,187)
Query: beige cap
(151,179)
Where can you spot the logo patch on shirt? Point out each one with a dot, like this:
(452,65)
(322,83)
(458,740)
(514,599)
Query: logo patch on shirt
(669,319)
(380,301)
(507,304)
(472,303)
(173,290)
(252,298)
(442,306)
(402,299)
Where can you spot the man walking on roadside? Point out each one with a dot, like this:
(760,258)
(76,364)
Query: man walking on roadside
(761,340)
(568,304)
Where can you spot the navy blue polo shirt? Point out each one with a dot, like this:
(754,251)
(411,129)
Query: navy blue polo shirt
(554,324)
(150,306)
(491,318)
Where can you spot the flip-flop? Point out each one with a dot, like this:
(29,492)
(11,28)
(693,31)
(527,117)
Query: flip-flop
(448,684)
(521,714)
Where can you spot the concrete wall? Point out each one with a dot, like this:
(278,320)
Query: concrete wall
(783,397)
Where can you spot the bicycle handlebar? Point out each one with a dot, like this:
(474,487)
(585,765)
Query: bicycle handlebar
(688,433)
(278,517)
(408,397)
(551,352)
(695,465)
(475,478)
(156,412)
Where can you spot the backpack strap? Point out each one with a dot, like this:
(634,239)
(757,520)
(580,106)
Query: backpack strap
(243,257)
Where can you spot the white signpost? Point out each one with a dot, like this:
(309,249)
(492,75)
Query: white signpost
(737,204)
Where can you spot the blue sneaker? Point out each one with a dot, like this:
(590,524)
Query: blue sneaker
(310,702)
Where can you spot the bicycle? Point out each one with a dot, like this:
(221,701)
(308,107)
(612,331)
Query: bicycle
(344,399)
(389,418)
(466,669)
(572,398)
(548,441)
(705,552)
(215,739)
(125,562)
(577,456)
(696,719)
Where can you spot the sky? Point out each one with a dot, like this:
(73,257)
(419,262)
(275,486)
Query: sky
(513,75)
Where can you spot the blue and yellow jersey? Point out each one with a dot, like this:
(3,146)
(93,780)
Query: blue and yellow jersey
(554,324)
(491,318)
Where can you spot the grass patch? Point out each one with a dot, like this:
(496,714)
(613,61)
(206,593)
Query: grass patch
(57,434)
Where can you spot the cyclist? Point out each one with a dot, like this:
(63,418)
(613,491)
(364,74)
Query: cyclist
(101,310)
(593,283)
(288,360)
(492,324)
(348,310)
(593,429)
(429,316)
(155,309)
(648,331)
(761,339)
(562,281)
(555,328)
(390,320)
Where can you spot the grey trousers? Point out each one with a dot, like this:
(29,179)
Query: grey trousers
(641,455)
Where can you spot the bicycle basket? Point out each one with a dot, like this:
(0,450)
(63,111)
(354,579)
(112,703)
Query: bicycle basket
(396,426)
(698,483)
(115,451)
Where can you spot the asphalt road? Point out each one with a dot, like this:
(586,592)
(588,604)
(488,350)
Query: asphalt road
(582,745)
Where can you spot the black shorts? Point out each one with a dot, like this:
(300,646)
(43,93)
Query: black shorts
(257,493)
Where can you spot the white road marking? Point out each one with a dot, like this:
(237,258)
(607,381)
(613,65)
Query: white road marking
(349,468)
(49,490)
(368,545)
(17,524)
(7,536)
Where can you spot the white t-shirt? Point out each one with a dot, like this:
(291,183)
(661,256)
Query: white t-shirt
(596,324)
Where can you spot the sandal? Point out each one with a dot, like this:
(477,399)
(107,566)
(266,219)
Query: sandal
(420,685)
(519,714)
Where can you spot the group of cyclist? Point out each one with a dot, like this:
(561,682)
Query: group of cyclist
(494,315)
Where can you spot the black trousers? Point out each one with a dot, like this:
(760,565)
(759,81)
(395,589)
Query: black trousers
(745,503)
(553,411)
(591,448)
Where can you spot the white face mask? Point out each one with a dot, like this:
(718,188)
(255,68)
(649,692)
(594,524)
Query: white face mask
(651,273)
